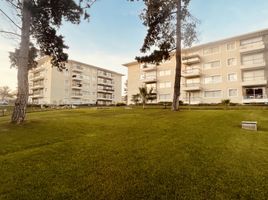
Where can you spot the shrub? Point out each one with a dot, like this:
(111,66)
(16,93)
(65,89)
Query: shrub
(226,102)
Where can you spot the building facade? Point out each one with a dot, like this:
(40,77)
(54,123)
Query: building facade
(234,68)
(78,84)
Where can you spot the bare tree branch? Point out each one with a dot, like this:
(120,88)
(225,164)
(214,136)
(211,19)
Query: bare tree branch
(9,32)
(10,19)
(14,5)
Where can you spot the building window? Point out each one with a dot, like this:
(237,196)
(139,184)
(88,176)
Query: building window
(230,46)
(165,73)
(165,85)
(164,97)
(212,50)
(231,62)
(213,79)
(253,59)
(212,65)
(253,75)
(233,92)
(232,77)
(212,94)
(251,41)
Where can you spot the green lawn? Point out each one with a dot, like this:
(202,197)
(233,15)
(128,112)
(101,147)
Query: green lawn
(134,154)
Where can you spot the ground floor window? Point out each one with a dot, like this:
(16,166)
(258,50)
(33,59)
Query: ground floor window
(254,93)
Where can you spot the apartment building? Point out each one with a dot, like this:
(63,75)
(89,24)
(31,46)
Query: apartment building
(78,84)
(233,68)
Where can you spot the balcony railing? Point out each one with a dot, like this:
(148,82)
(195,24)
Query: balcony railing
(191,59)
(150,79)
(255,98)
(192,86)
(191,73)
(254,81)
(77,69)
(192,100)
(252,47)
(77,77)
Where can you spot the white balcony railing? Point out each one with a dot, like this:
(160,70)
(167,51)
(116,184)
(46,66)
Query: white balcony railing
(192,86)
(254,81)
(191,73)
(255,98)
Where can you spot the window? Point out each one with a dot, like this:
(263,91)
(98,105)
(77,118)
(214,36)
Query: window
(251,41)
(231,62)
(253,75)
(165,85)
(213,79)
(233,92)
(212,50)
(253,59)
(232,77)
(165,73)
(212,94)
(165,97)
(211,65)
(230,46)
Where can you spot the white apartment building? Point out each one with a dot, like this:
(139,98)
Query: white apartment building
(78,84)
(233,68)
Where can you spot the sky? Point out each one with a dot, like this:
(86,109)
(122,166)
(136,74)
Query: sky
(115,32)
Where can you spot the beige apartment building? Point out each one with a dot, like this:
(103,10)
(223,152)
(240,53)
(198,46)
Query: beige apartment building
(78,84)
(233,68)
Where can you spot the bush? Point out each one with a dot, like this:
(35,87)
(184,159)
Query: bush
(226,102)
(121,104)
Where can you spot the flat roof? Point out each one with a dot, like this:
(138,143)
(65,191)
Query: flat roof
(242,36)
(74,61)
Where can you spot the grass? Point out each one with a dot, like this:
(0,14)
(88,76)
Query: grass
(134,154)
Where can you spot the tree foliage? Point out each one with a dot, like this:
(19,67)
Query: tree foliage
(159,16)
(146,95)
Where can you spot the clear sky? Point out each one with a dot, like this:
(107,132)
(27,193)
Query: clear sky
(115,33)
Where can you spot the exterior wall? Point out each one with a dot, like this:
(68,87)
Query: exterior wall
(77,84)
(197,57)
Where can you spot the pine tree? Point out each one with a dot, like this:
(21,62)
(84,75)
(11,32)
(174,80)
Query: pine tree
(41,20)
(169,23)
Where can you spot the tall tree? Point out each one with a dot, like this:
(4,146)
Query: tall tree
(169,24)
(40,22)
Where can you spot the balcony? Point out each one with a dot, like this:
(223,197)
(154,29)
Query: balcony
(38,69)
(252,47)
(77,77)
(77,95)
(189,73)
(149,68)
(37,86)
(150,79)
(257,64)
(106,75)
(37,95)
(38,77)
(255,99)
(191,59)
(254,81)
(104,83)
(77,86)
(77,69)
(192,87)
(104,98)
(192,100)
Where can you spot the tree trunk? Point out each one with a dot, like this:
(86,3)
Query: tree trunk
(19,111)
(177,86)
